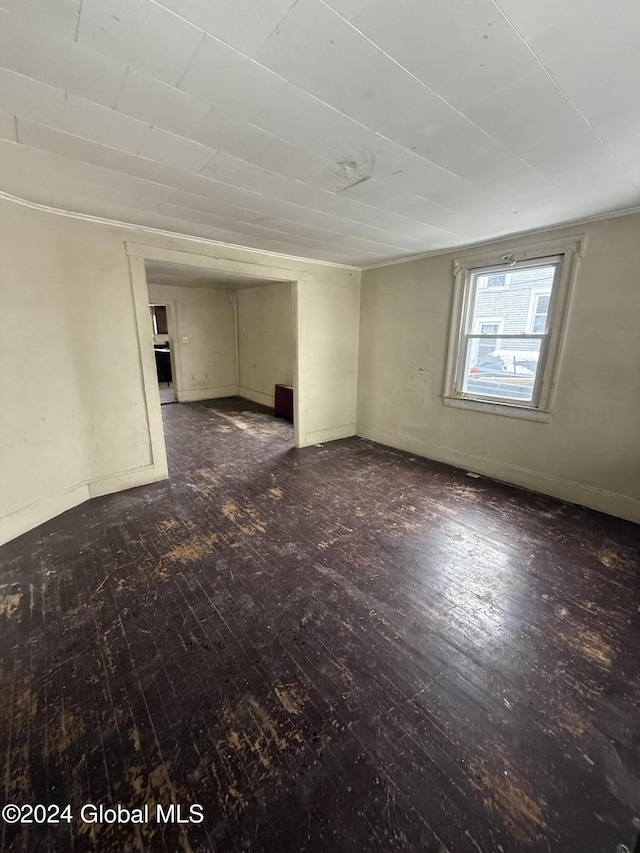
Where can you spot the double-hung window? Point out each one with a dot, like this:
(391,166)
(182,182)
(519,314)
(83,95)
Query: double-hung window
(507,325)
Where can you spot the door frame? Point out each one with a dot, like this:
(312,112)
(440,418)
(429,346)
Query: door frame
(139,253)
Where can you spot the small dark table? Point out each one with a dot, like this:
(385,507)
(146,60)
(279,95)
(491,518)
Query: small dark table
(284,401)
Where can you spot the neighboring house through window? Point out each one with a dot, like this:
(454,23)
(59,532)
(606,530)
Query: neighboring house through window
(500,280)
(539,311)
(489,329)
(507,324)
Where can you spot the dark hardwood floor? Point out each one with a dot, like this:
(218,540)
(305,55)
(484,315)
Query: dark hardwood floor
(342,648)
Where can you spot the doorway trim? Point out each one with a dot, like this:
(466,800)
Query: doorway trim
(139,253)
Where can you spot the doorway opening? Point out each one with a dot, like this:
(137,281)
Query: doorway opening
(162,346)
(220,331)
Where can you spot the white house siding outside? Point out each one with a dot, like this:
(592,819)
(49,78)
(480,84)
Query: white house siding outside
(512,303)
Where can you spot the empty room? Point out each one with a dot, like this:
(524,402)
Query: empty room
(319,437)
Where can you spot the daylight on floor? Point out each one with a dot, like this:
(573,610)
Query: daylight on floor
(319,447)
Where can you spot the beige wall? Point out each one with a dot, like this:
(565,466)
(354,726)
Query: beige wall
(73,411)
(205,366)
(327,339)
(266,345)
(75,335)
(589,452)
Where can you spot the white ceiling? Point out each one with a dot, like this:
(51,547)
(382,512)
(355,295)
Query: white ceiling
(185,275)
(351,131)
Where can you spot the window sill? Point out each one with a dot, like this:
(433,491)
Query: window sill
(493,408)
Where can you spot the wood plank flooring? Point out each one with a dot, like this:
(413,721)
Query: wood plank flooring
(342,648)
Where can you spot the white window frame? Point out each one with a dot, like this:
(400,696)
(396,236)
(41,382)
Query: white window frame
(571,249)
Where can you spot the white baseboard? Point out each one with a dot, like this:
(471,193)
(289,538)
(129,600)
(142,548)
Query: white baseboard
(611,503)
(26,518)
(257,396)
(331,434)
(192,395)
(129,480)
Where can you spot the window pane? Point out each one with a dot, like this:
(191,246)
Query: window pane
(539,323)
(495,280)
(525,294)
(507,372)
(541,309)
(542,303)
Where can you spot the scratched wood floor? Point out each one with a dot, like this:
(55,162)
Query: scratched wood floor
(342,648)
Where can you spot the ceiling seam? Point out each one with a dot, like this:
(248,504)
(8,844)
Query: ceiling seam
(564,94)
(279,24)
(124,80)
(195,53)
(436,95)
(78,21)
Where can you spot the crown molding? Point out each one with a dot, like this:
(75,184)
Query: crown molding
(146,229)
(493,241)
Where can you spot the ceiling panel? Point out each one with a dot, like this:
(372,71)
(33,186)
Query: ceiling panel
(533,19)
(335,129)
(88,203)
(6,49)
(455,143)
(29,98)
(262,149)
(96,193)
(413,207)
(252,206)
(229,81)
(8,126)
(173,150)
(262,230)
(21,187)
(244,26)
(183,274)
(141,34)
(314,126)
(56,16)
(84,118)
(48,105)
(348,221)
(130,164)
(33,165)
(150,101)
(48,139)
(63,63)
(319,52)
(625,150)
(484,53)
(537,122)
(348,9)
(593,56)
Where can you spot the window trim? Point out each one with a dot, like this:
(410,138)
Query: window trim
(572,249)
